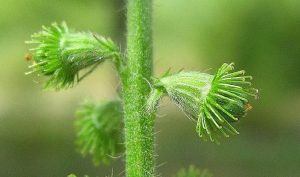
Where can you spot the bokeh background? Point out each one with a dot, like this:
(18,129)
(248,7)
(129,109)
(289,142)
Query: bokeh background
(263,37)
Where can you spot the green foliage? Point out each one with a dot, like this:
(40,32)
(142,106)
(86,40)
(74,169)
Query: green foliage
(61,53)
(192,171)
(213,101)
(99,130)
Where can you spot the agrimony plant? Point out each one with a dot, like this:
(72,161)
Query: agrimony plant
(214,102)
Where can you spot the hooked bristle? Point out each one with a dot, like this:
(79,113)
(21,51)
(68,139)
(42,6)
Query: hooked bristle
(99,130)
(213,101)
(226,102)
(60,54)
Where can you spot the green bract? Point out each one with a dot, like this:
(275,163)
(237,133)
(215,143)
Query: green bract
(61,53)
(214,101)
(99,130)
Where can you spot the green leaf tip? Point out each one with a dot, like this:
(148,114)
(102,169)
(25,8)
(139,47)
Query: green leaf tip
(60,53)
(192,171)
(213,101)
(99,130)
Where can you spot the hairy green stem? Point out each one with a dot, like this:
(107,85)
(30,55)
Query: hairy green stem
(139,126)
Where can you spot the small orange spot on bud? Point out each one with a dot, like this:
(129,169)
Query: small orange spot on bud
(28,57)
(247,107)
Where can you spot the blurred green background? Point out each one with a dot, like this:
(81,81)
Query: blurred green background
(263,37)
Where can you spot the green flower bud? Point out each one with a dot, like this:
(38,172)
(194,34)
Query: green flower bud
(99,130)
(61,53)
(214,101)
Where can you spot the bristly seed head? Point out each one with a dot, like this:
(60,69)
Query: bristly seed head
(99,130)
(214,101)
(61,53)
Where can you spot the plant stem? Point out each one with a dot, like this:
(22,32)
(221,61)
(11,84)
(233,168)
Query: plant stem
(139,126)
